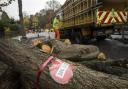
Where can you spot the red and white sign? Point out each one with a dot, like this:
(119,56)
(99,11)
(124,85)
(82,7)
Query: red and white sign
(61,71)
(108,17)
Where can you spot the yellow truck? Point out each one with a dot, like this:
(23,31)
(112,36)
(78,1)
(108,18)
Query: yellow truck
(87,19)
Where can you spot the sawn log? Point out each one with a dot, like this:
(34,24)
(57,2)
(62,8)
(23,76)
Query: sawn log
(26,60)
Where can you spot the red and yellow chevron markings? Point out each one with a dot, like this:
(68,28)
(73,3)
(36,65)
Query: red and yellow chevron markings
(108,17)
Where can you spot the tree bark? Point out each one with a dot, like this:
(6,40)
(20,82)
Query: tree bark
(25,60)
(21,18)
(20,11)
(3,68)
(114,67)
(10,80)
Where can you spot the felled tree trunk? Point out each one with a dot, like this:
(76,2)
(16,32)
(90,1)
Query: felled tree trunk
(10,80)
(6,80)
(115,67)
(77,52)
(3,68)
(74,52)
(26,60)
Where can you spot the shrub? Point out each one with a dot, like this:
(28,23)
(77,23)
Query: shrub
(14,27)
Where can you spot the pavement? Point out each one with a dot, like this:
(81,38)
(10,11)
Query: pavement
(119,36)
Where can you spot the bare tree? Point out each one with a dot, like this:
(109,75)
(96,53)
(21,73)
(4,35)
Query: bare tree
(4,3)
(53,5)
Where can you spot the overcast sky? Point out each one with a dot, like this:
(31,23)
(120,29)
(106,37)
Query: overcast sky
(29,6)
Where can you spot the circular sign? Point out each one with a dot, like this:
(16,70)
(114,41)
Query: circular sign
(61,71)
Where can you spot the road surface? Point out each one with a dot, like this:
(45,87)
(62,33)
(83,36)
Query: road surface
(113,48)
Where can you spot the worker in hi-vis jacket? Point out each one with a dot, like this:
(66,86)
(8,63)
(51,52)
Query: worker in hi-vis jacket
(56,26)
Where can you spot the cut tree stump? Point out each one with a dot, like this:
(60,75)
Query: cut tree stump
(26,60)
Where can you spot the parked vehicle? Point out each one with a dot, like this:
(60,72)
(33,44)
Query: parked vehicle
(86,19)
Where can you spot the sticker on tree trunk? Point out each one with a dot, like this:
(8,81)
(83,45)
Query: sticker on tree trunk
(61,71)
